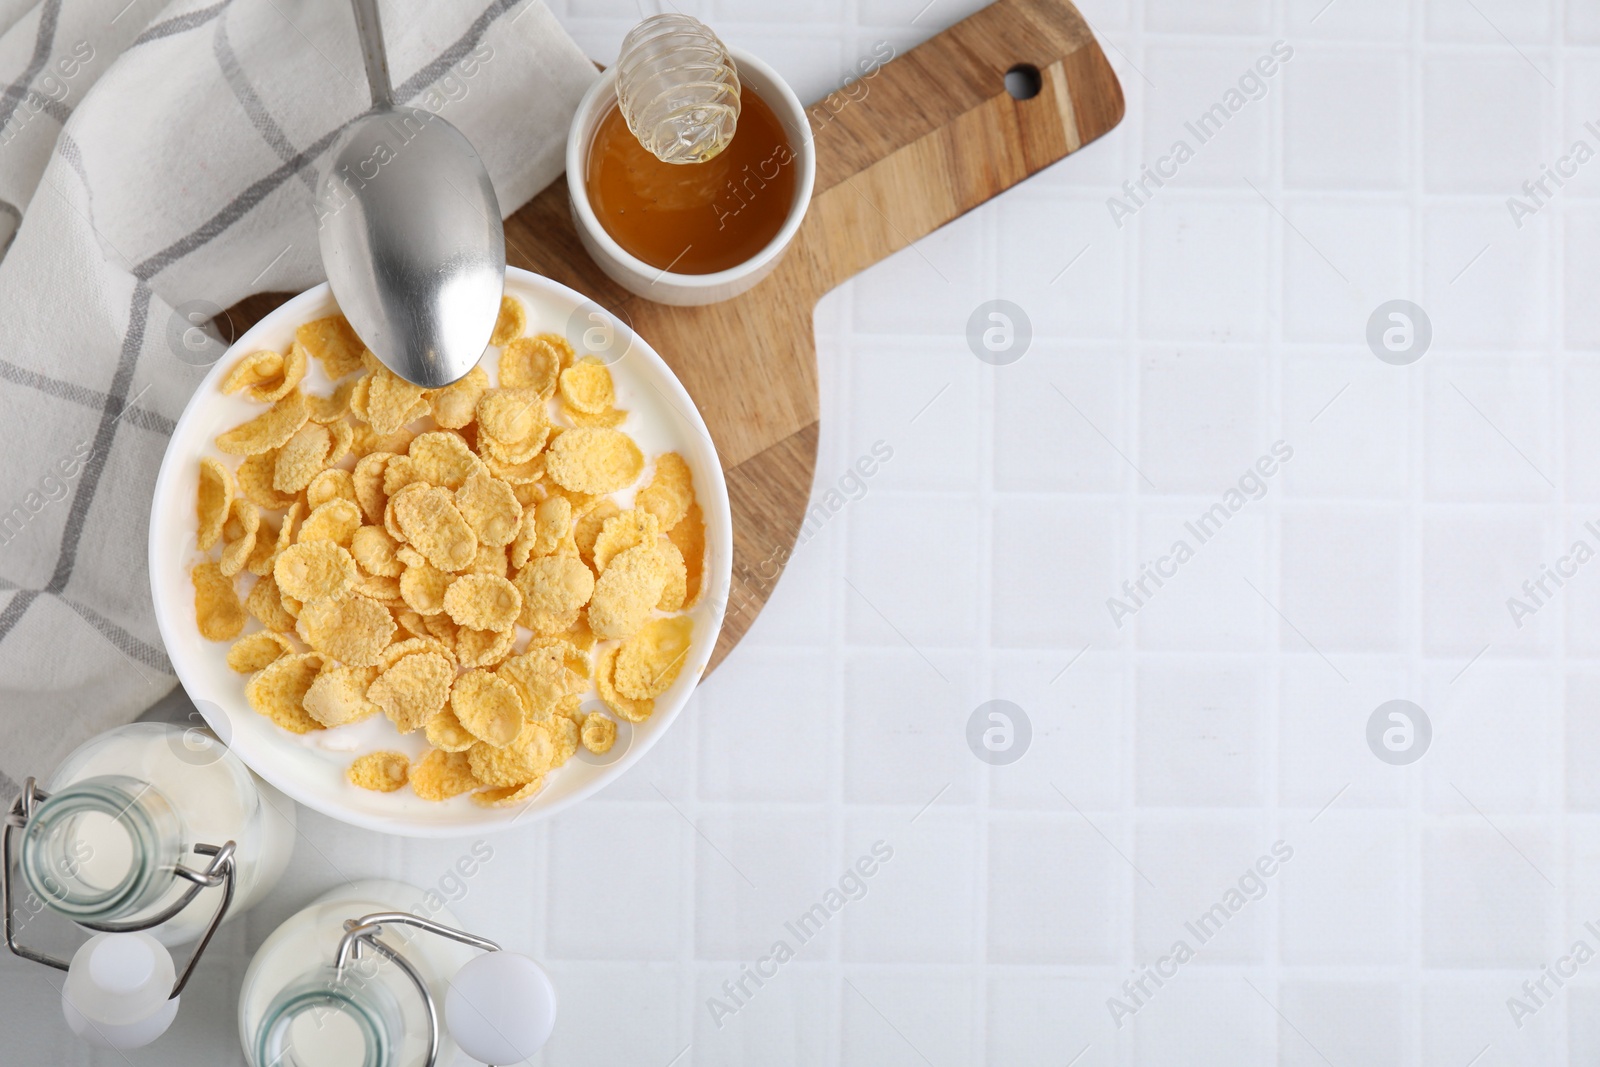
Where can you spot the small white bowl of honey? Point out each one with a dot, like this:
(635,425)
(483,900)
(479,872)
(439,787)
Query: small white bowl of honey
(694,233)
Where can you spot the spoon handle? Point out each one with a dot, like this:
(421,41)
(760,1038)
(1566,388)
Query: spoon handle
(370,30)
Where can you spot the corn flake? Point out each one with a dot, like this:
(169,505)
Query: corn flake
(560,345)
(258,651)
(412,645)
(445,732)
(488,706)
(507,795)
(586,387)
(483,648)
(598,733)
(257,368)
(670,493)
(414,689)
(511,416)
(213,503)
(544,528)
(623,531)
(455,405)
(564,733)
(400,472)
(490,508)
(266,551)
(350,628)
(374,552)
(442,458)
(412,623)
(529,493)
(239,537)
(511,323)
(279,691)
(676,587)
(265,603)
(608,419)
(391,401)
(334,408)
(382,772)
(627,592)
(428,519)
(314,569)
(331,484)
(343,440)
(336,521)
(442,775)
(589,525)
(276,388)
(689,536)
(554,589)
(217,610)
(483,602)
(491,559)
(333,343)
(263,560)
(382,588)
(254,478)
(545,680)
(649,662)
(524,760)
(594,460)
(302,457)
(626,707)
(442,628)
(339,695)
(530,363)
(271,429)
(369,440)
(368,479)
(423,588)
(514,456)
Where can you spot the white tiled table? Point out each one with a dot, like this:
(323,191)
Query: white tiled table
(1230,712)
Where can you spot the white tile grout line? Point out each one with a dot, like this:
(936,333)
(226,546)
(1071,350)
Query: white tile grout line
(688,907)
(985,665)
(1555,309)
(838,629)
(1272,401)
(1417,462)
(1128,951)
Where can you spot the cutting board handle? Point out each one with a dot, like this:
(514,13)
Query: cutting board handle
(927,136)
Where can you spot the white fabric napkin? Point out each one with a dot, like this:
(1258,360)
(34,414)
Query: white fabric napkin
(157,163)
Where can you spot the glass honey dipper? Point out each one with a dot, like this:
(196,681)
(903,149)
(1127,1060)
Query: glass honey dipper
(677,88)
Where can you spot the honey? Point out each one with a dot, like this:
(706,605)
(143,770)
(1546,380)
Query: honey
(694,218)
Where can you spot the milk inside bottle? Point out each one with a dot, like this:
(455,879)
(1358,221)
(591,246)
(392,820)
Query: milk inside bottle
(354,980)
(126,809)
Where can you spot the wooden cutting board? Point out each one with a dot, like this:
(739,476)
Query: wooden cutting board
(930,135)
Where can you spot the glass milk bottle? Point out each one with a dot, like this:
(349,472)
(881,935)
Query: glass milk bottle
(354,980)
(148,836)
(126,808)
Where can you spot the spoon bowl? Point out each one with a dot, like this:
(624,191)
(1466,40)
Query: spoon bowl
(410,231)
(412,243)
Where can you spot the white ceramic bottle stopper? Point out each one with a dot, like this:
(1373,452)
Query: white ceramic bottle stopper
(118,990)
(500,1007)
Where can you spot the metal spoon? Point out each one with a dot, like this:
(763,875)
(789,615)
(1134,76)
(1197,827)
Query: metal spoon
(410,231)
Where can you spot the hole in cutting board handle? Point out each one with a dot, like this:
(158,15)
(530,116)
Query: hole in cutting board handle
(1023,81)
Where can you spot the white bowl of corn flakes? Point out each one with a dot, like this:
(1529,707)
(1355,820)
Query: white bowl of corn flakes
(435,613)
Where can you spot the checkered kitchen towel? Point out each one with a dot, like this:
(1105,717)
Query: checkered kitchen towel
(157,161)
